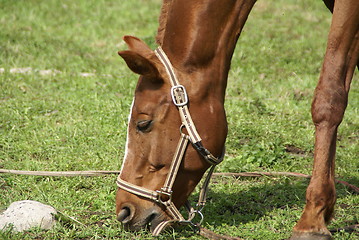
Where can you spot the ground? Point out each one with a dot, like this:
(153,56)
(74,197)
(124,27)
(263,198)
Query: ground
(70,113)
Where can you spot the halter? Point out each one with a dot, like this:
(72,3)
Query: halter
(180,99)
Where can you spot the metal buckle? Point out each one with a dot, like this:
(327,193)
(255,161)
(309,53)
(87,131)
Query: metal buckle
(163,193)
(179,95)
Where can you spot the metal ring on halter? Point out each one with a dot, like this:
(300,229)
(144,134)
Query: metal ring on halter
(181,127)
(190,219)
(162,193)
(184,135)
(201,215)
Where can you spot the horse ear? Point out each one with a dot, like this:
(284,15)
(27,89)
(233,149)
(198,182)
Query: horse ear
(138,58)
(137,45)
(139,64)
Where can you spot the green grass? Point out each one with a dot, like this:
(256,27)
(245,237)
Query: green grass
(66,122)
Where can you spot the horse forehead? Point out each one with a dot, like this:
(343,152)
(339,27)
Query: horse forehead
(149,101)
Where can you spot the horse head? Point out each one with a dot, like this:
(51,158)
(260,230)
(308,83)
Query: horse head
(155,132)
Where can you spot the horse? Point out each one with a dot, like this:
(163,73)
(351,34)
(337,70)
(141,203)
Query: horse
(177,125)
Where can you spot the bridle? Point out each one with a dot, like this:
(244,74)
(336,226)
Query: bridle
(164,195)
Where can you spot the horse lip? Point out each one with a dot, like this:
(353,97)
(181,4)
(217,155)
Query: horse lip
(149,223)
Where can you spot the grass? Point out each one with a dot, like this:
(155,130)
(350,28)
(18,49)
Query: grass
(65,121)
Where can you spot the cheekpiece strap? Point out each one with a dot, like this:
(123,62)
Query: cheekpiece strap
(179,96)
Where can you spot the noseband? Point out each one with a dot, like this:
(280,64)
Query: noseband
(164,195)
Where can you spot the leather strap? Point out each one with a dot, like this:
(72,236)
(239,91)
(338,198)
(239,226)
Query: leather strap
(176,162)
(179,97)
(137,190)
(179,93)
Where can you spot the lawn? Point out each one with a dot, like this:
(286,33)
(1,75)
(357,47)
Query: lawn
(65,96)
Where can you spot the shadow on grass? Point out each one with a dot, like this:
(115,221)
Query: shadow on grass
(234,205)
(241,206)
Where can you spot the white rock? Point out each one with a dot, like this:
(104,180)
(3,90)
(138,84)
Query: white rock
(87,74)
(21,70)
(49,72)
(23,215)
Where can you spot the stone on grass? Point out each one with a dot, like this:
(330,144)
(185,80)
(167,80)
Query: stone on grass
(23,215)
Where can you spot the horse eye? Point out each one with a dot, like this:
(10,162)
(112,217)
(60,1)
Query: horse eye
(155,168)
(144,125)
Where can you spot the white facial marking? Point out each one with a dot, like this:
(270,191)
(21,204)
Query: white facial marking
(127,138)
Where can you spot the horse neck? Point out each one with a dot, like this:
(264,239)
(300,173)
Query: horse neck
(200,36)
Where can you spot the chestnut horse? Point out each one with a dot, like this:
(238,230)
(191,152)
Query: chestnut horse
(179,99)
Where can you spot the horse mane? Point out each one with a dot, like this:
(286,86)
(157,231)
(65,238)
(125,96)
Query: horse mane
(163,21)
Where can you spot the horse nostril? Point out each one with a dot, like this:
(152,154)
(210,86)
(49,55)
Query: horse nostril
(123,214)
(126,214)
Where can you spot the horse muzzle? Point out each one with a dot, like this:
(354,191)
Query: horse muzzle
(135,219)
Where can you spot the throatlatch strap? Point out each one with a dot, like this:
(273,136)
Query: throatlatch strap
(207,154)
(203,192)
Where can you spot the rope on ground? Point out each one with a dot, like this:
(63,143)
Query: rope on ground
(204,232)
(59,174)
(101,173)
